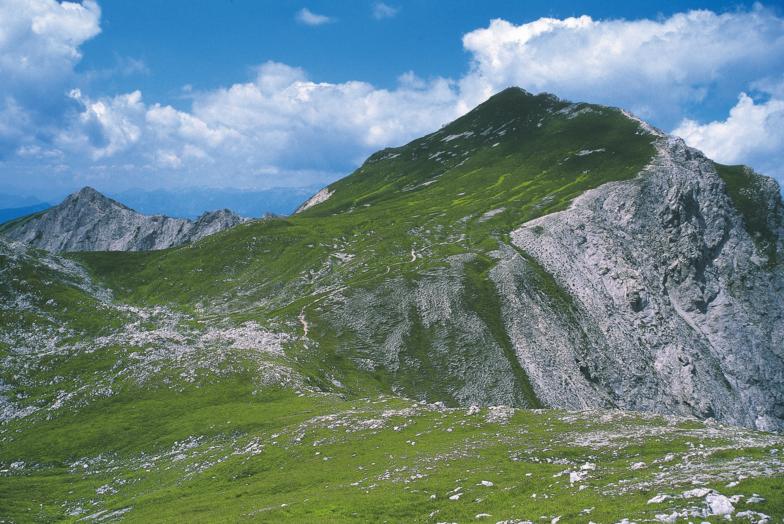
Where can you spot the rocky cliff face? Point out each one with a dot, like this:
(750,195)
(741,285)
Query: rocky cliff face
(660,291)
(318,198)
(663,293)
(90,221)
(668,302)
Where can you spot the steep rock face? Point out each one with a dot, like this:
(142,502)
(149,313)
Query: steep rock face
(90,221)
(435,335)
(210,223)
(661,300)
(661,290)
(318,198)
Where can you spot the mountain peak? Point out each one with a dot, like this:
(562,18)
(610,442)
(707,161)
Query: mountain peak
(88,220)
(88,190)
(512,91)
(515,101)
(514,131)
(90,195)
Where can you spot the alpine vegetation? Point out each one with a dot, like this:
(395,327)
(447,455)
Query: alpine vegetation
(545,311)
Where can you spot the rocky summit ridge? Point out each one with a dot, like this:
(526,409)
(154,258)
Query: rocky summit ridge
(90,221)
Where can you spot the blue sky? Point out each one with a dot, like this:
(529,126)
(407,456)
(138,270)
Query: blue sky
(255,94)
(208,44)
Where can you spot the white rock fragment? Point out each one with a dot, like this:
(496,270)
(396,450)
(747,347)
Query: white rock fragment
(486,483)
(755,517)
(490,214)
(499,414)
(465,134)
(719,504)
(638,465)
(106,489)
(658,499)
(584,152)
(697,493)
(318,198)
(576,476)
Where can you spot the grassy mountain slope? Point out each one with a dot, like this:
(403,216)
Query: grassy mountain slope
(320,459)
(140,428)
(291,367)
(409,222)
(748,192)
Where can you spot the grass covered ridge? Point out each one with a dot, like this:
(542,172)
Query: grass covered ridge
(751,197)
(403,216)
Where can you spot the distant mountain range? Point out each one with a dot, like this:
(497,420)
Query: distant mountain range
(183,203)
(11,201)
(192,202)
(90,221)
(16,212)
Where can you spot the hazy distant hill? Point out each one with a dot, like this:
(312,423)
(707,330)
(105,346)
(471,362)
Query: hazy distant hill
(191,203)
(16,212)
(11,201)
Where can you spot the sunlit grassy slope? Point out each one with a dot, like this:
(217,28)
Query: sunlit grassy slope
(518,154)
(320,459)
(132,392)
(406,213)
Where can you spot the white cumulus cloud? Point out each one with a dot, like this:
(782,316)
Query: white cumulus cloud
(654,68)
(105,127)
(382,11)
(39,46)
(308,17)
(282,127)
(40,39)
(753,133)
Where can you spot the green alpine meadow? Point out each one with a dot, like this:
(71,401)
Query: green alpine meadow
(544,311)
